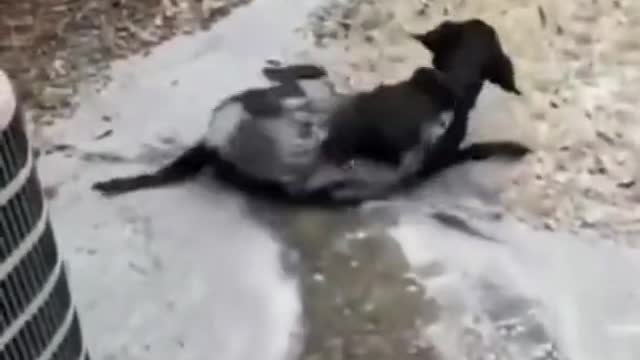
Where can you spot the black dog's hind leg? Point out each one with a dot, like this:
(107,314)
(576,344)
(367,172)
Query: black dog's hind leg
(185,166)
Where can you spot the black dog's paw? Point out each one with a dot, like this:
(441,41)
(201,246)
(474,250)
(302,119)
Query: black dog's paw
(111,187)
(273,63)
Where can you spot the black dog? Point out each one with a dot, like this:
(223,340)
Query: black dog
(468,53)
(385,124)
(289,140)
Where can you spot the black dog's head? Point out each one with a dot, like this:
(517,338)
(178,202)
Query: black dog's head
(467,44)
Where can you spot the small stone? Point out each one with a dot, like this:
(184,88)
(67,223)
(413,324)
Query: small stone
(357,235)
(620,158)
(371,347)
(550,224)
(605,137)
(368,307)
(542,16)
(54,97)
(412,289)
(58,148)
(335,348)
(627,184)
(60,67)
(369,38)
(372,22)
(104,134)
(317,277)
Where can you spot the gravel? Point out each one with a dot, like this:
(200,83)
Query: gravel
(49,47)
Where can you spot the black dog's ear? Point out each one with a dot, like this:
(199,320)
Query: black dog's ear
(500,72)
(437,39)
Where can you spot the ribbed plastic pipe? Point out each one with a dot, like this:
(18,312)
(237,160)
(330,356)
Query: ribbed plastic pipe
(38,320)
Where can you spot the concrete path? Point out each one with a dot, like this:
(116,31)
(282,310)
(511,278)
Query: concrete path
(200,272)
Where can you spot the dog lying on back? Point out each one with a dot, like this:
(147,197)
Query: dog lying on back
(292,140)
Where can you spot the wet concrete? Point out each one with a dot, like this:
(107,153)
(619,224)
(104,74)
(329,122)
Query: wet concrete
(360,299)
(199,271)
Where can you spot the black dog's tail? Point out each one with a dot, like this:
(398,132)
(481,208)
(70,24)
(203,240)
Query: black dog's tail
(484,150)
(474,151)
(186,165)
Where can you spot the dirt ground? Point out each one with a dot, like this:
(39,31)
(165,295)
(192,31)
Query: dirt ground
(49,46)
(577,64)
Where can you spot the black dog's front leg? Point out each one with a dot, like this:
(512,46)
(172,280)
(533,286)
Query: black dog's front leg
(446,151)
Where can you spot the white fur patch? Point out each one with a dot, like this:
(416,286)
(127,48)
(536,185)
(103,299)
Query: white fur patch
(293,103)
(225,120)
(430,132)
(7,100)
(445,119)
(411,160)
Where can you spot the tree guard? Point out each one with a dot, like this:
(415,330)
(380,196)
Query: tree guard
(38,320)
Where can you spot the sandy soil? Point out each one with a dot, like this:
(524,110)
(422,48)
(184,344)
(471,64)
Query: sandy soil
(576,62)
